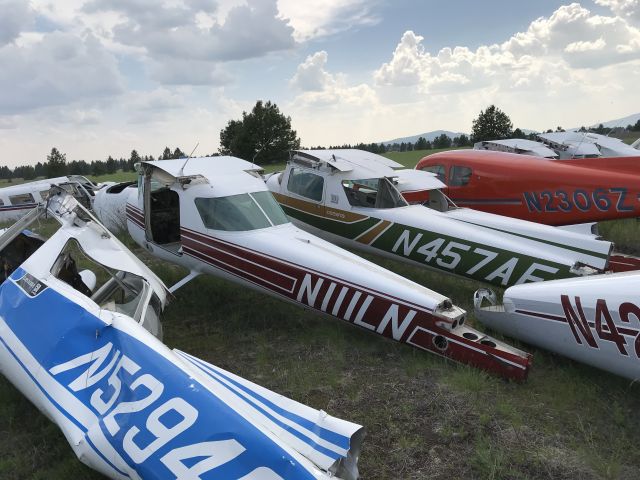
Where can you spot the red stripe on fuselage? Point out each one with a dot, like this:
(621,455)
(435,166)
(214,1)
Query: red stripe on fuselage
(240,250)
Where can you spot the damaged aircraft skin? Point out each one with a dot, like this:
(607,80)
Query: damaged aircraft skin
(594,320)
(216,216)
(131,408)
(361,200)
(17,200)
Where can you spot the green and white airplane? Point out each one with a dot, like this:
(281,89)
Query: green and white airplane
(359,199)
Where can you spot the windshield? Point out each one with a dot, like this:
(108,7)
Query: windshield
(246,211)
(373,193)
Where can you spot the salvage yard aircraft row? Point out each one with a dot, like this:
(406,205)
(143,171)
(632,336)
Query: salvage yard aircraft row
(355,198)
(217,216)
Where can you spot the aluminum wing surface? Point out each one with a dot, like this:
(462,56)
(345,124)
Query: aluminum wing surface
(130,407)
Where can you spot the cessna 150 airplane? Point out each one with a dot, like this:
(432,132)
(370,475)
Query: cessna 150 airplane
(85,352)
(216,216)
(17,200)
(553,192)
(595,320)
(359,199)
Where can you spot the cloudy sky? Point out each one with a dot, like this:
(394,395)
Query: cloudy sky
(101,77)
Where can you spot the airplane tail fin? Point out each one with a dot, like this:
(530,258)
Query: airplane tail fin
(330,443)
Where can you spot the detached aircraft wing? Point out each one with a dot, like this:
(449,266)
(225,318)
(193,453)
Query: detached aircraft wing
(79,320)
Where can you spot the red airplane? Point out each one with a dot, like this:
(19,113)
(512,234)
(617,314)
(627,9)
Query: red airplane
(553,192)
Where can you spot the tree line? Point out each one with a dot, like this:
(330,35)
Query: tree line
(57,165)
(265,135)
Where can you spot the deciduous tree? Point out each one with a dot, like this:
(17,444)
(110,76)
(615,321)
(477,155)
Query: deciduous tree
(264,135)
(491,124)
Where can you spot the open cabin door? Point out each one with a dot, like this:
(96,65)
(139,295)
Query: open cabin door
(161,210)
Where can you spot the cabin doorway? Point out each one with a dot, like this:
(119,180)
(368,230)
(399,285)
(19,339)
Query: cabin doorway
(162,214)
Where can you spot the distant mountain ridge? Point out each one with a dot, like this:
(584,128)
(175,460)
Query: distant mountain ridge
(429,136)
(619,122)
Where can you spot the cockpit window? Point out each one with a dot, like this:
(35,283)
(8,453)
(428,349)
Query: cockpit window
(21,199)
(235,213)
(306,184)
(439,170)
(270,207)
(460,176)
(373,193)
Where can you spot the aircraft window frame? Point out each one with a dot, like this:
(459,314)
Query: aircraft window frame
(439,169)
(295,180)
(73,259)
(373,193)
(18,199)
(235,218)
(457,179)
(270,207)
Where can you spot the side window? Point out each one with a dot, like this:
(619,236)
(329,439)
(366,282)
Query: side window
(44,194)
(1,202)
(306,184)
(21,199)
(460,176)
(439,170)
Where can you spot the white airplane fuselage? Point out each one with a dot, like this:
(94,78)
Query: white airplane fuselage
(200,220)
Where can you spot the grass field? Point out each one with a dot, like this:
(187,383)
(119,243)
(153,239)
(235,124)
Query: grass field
(425,417)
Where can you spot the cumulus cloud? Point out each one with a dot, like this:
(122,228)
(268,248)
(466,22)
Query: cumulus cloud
(311,75)
(408,63)
(317,18)
(59,69)
(16,16)
(627,9)
(572,37)
(170,31)
(321,88)
(615,39)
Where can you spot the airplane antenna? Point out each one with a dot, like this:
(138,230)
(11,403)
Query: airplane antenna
(194,149)
(253,162)
(187,159)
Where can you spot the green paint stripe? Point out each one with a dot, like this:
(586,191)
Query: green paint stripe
(469,259)
(555,244)
(347,230)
